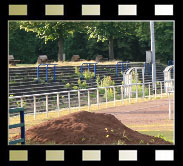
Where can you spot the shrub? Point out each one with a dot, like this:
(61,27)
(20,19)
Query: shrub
(88,75)
(75,87)
(105,82)
(82,85)
(77,72)
(67,85)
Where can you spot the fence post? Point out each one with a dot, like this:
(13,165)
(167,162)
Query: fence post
(169,106)
(79,100)
(46,105)
(58,104)
(21,101)
(129,93)
(114,96)
(81,71)
(145,67)
(136,75)
(38,73)
(98,97)
(47,73)
(122,101)
(106,100)
(143,83)
(69,100)
(161,88)
(54,73)
(95,71)
(34,107)
(136,93)
(116,69)
(88,100)
(23,127)
(155,89)
(122,67)
(149,91)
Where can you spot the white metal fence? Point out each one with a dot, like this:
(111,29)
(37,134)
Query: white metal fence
(57,101)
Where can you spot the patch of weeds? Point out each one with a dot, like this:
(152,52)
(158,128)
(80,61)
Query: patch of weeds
(88,75)
(141,142)
(12,82)
(121,142)
(105,82)
(162,137)
(125,136)
(75,87)
(68,85)
(83,139)
(152,141)
(82,85)
(77,72)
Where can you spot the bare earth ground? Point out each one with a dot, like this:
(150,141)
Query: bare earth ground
(149,115)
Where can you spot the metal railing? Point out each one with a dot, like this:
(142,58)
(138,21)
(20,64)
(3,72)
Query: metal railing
(88,68)
(46,71)
(58,101)
(169,103)
(122,66)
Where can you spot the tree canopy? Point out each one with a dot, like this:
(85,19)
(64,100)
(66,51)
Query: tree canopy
(115,40)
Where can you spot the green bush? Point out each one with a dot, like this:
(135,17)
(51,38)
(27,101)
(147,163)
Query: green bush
(77,72)
(68,85)
(82,85)
(105,82)
(75,87)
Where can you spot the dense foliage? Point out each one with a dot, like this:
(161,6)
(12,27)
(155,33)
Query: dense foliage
(113,40)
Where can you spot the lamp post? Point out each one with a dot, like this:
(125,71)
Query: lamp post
(153,53)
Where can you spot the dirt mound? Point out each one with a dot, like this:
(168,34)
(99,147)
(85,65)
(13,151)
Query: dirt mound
(87,128)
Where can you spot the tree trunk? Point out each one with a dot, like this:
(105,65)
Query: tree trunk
(111,51)
(60,48)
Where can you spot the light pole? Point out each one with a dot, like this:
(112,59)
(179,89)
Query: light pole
(153,53)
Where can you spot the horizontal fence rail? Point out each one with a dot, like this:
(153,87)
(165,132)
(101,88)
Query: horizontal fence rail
(57,101)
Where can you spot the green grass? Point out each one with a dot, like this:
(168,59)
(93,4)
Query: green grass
(167,135)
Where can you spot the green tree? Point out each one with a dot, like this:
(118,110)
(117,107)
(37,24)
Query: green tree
(110,31)
(52,31)
(163,38)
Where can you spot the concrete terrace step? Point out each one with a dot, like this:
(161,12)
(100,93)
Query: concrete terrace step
(23,80)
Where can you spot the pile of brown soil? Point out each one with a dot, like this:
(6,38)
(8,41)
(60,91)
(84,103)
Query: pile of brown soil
(87,128)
